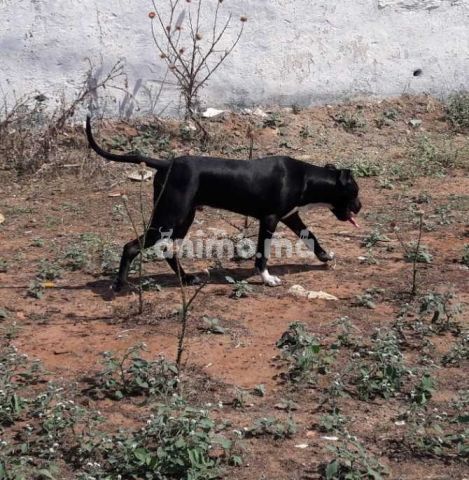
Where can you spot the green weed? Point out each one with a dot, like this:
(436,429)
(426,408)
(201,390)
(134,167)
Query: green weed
(383,371)
(131,375)
(241,288)
(459,353)
(351,122)
(353,462)
(457,110)
(272,426)
(304,352)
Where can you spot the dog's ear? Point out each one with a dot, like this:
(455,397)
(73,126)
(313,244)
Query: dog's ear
(330,166)
(345,177)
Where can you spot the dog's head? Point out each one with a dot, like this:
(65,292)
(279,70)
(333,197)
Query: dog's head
(345,204)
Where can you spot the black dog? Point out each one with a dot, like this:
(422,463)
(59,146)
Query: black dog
(270,189)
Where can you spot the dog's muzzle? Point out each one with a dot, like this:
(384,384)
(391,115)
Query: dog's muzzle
(347,214)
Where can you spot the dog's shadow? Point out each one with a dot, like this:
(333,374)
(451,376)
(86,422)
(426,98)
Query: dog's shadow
(217,276)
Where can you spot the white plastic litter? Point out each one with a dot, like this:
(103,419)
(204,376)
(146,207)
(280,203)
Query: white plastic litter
(139,175)
(212,112)
(300,291)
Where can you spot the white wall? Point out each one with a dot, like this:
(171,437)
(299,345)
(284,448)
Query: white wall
(292,51)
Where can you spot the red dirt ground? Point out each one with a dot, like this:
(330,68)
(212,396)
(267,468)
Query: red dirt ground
(79,317)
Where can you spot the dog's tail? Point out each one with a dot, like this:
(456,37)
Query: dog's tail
(150,162)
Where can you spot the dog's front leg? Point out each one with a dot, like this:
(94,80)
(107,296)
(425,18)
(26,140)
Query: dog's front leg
(267,228)
(296,225)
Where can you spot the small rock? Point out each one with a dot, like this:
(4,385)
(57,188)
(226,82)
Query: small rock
(300,291)
(2,218)
(415,123)
(258,112)
(330,439)
(286,406)
(302,445)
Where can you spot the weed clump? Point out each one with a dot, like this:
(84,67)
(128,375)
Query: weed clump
(457,110)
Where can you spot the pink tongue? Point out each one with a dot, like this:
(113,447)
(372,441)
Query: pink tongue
(353,222)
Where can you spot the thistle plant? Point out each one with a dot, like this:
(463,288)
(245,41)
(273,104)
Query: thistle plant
(190,52)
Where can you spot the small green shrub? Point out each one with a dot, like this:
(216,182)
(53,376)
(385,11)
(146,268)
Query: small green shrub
(35,289)
(374,238)
(332,422)
(383,371)
(48,271)
(351,122)
(241,288)
(175,443)
(459,352)
(306,355)
(132,375)
(457,110)
(272,426)
(274,120)
(306,132)
(76,258)
(439,432)
(368,298)
(430,158)
(442,309)
(366,168)
(352,462)
(387,118)
(417,253)
(424,390)
(16,371)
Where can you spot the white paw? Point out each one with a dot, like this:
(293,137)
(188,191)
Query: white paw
(270,280)
(274,282)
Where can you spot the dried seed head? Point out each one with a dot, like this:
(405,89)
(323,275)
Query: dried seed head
(178,28)
(243,18)
(181,51)
(198,36)
(172,67)
(168,28)
(163,55)
(152,15)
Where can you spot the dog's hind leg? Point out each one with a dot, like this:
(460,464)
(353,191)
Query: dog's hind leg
(131,250)
(296,225)
(267,226)
(173,260)
(170,219)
